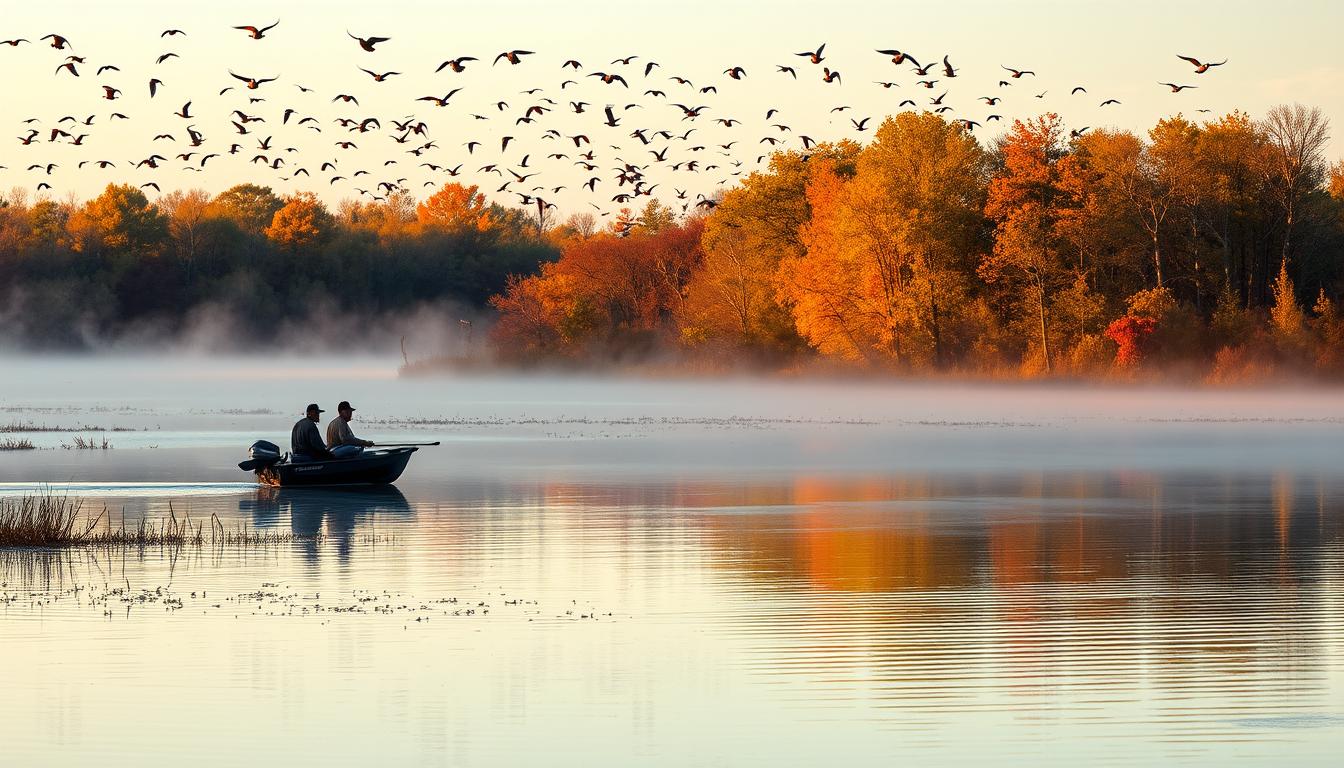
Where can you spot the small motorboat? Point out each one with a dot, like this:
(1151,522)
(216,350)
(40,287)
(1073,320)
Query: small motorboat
(375,466)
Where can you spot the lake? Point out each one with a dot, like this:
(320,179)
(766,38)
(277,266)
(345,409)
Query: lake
(632,571)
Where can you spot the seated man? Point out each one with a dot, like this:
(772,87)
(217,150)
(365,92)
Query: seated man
(340,440)
(305,443)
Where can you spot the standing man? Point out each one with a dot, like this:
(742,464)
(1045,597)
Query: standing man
(305,442)
(341,441)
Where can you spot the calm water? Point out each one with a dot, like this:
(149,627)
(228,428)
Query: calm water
(630,572)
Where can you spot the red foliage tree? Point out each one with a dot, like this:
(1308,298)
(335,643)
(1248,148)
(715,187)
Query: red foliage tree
(1130,335)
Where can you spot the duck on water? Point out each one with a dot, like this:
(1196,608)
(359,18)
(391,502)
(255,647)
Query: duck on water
(342,459)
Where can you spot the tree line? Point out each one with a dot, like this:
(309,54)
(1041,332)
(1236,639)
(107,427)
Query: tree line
(74,275)
(1209,250)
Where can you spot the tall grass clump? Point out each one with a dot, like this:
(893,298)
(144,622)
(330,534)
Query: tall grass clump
(49,520)
(44,520)
(81,443)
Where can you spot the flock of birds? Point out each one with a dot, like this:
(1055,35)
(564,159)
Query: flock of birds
(611,133)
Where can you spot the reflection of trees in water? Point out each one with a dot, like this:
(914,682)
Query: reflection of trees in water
(337,513)
(994,589)
(911,531)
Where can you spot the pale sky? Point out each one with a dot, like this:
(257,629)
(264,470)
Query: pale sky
(1279,52)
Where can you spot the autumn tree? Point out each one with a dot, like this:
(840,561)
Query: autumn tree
(887,250)
(251,207)
(1232,154)
(302,223)
(732,303)
(1024,199)
(1296,160)
(121,219)
(186,212)
(455,207)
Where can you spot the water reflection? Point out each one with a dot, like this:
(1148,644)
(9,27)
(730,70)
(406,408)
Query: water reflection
(1155,617)
(336,513)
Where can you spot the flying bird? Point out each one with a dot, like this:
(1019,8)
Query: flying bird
(378,78)
(1177,88)
(253,83)
(367,43)
(609,79)
(1201,68)
(898,57)
(457,65)
(513,57)
(440,102)
(256,33)
(814,56)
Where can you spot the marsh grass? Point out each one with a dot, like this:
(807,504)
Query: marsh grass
(80,443)
(17,444)
(49,520)
(32,426)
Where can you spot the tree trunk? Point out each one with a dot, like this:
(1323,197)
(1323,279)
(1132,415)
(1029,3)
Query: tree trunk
(937,335)
(1045,337)
(1157,261)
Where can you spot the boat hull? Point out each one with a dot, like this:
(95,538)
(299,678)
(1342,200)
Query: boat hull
(369,468)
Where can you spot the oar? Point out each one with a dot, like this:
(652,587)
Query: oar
(404,445)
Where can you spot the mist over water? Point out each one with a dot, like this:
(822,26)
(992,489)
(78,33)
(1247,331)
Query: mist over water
(670,571)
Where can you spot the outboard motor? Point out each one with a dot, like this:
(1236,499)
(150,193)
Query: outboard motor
(264,449)
(264,453)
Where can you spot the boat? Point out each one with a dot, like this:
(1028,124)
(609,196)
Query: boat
(376,466)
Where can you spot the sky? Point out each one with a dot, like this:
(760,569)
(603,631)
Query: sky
(1276,52)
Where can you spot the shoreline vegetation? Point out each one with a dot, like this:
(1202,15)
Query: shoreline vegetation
(1197,252)
(51,521)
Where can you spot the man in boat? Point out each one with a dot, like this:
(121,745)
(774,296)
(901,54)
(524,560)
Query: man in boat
(340,440)
(305,442)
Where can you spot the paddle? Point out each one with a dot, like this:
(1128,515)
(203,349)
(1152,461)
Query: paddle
(404,445)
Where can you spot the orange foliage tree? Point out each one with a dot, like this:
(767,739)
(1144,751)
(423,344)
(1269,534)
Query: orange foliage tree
(732,303)
(302,223)
(120,220)
(882,271)
(455,207)
(616,293)
(1025,200)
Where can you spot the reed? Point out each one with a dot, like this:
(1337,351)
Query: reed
(81,443)
(53,521)
(32,426)
(43,520)
(16,444)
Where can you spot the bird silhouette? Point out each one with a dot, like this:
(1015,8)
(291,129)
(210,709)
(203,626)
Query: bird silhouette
(367,43)
(257,33)
(898,57)
(253,83)
(378,78)
(513,57)
(440,102)
(1177,88)
(814,56)
(1201,68)
(610,78)
(457,65)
